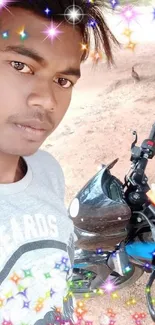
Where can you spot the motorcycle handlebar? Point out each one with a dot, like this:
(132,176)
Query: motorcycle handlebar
(146,151)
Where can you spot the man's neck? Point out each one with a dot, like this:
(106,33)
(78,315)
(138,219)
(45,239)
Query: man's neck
(11,170)
(20,172)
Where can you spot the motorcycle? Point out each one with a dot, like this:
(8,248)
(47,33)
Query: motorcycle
(115,227)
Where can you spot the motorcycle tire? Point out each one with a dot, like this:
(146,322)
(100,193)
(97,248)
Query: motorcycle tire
(120,281)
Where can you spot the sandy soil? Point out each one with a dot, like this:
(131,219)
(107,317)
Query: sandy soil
(106,107)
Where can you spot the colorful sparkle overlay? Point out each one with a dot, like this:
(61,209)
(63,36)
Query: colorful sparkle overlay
(20,280)
(74,15)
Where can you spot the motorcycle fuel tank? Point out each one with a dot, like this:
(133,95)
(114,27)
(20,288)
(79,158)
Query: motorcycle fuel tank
(100,210)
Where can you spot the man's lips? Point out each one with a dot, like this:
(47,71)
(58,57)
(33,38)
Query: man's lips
(31,134)
(36,125)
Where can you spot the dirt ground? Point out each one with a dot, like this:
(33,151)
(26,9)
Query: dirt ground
(106,107)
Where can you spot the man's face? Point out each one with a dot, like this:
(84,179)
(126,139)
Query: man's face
(29,90)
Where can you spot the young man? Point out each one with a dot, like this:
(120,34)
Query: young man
(37,73)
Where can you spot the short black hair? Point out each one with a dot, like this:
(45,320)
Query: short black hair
(92,10)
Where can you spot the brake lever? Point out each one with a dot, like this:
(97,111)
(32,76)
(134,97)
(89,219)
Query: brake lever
(135,141)
(135,150)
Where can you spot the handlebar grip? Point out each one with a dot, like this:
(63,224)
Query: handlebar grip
(142,164)
(139,173)
(152,133)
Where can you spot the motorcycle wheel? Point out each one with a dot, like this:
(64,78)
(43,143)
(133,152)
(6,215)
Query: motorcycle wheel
(80,276)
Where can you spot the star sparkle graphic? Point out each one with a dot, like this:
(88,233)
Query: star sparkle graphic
(5,35)
(128,13)
(73,14)
(22,33)
(90,1)
(127,32)
(53,31)
(131,45)
(3,4)
(47,11)
(114,3)
(84,47)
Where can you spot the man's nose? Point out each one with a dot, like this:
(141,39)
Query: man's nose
(43,97)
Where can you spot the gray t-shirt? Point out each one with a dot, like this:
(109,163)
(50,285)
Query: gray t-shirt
(36,245)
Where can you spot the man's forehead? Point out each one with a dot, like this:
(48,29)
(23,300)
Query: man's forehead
(66,43)
(34,24)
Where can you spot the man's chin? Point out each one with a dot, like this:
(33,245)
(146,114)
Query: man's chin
(28,152)
(21,152)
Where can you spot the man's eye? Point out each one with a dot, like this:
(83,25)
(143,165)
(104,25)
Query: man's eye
(22,67)
(65,83)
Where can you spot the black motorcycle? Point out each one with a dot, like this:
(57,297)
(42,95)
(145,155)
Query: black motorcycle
(115,227)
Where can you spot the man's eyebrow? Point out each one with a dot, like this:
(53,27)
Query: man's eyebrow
(71,72)
(25,51)
(21,49)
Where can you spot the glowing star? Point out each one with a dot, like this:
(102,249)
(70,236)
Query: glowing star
(80,304)
(147,289)
(142,315)
(84,47)
(38,307)
(66,269)
(153,300)
(92,23)
(26,304)
(129,13)
(147,266)
(58,310)
(108,286)
(40,300)
(100,291)
(114,3)
(47,295)
(9,296)
(114,295)
(131,302)
(47,11)
(15,278)
(109,311)
(96,56)
(64,260)
(73,14)
(131,46)
(52,31)
(127,32)
(51,292)
(3,4)
(99,251)
(22,33)
(5,35)
(112,322)
(47,275)
(22,291)
(27,273)
(135,316)
(127,269)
